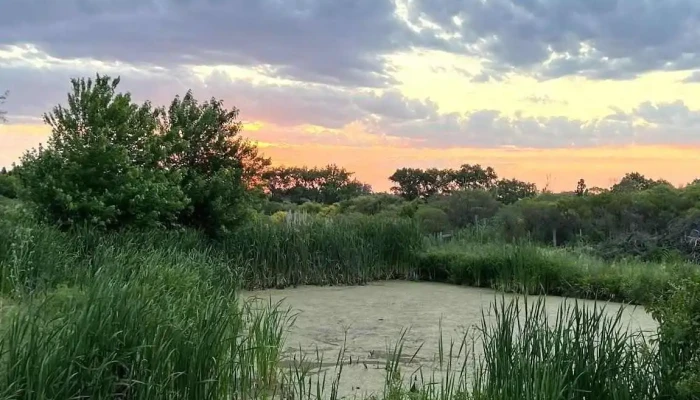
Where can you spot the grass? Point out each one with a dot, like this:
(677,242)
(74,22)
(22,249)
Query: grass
(156,315)
(140,338)
(525,268)
(321,251)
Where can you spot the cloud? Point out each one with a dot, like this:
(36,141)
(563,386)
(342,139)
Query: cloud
(335,42)
(694,77)
(35,90)
(552,38)
(323,113)
(345,43)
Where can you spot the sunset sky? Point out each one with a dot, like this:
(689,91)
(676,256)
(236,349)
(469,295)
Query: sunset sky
(547,91)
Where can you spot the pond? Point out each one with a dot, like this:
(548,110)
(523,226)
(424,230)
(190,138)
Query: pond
(368,320)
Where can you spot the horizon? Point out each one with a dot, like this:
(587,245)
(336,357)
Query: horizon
(606,92)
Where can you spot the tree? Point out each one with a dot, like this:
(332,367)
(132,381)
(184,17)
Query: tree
(633,181)
(508,191)
(415,183)
(581,188)
(113,163)
(474,177)
(596,190)
(217,165)
(327,185)
(408,183)
(102,163)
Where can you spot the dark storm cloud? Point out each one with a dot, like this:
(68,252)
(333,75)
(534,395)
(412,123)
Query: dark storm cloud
(624,37)
(342,42)
(331,41)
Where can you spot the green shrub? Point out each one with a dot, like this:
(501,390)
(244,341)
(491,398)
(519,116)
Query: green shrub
(467,207)
(217,165)
(372,204)
(310,207)
(9,186)
(101,163)
(112,163)
(432,220)
(678,314)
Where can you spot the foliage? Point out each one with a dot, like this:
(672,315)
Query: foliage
(175,284)
(371,204)
(415,183)
(217,165)
(581,189)
(576,353)
(113,163)
(161,333)
(634,181)
(9,184)
(432,219)
(509,191)
(297,249)
(678,313)
(327,185)
(466,207)
(102,163)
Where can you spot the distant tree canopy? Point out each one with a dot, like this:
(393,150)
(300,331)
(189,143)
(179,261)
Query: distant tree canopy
(415,183)
(111,162)
(327,185)
(508,191)
(634,181)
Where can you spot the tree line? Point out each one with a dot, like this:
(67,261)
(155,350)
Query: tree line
(416,183)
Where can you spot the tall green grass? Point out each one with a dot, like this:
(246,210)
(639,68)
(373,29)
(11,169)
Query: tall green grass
(145,337)
(262,254)
(321,251)
(525,268)
(581,353)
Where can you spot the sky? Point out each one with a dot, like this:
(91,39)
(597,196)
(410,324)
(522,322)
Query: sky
(547,91)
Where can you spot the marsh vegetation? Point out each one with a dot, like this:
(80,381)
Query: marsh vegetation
(132,242)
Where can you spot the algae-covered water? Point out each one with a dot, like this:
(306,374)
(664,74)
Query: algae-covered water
(368,320)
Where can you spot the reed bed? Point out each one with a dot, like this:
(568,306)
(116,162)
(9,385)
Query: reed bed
(525,268)
(155,315)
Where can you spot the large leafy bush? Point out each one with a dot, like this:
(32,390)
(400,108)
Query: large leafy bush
(113,163)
